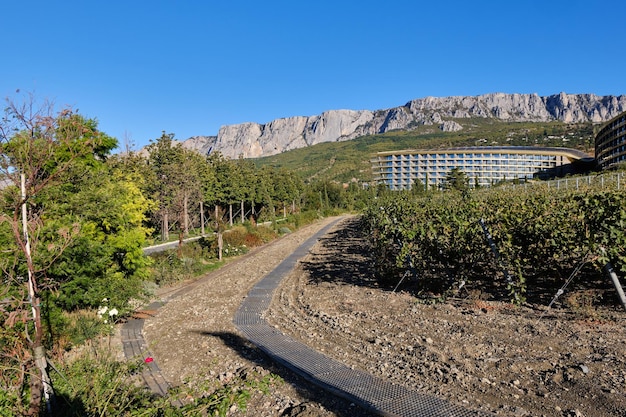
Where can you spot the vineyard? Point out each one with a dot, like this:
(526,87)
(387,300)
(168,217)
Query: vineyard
(515,243)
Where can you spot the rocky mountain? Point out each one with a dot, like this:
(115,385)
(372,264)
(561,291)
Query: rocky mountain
(252,140)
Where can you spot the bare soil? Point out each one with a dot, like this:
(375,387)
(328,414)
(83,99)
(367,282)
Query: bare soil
(487,355)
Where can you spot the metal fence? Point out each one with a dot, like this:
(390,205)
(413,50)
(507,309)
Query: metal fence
(612,181)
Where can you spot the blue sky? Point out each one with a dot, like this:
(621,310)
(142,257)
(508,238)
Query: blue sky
(188,67)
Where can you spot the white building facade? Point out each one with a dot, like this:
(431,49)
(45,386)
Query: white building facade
(484,165)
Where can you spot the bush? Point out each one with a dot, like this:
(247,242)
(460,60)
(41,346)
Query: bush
(192,260)
(82,326)
(284,230)
(235,236)
(264,234)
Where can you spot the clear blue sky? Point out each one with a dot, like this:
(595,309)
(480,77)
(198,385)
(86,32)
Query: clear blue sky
(189,66)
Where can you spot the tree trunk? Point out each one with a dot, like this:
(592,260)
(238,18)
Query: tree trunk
(252,213)
(243,214)
(181,241)
(186,215)
(41,382)
(165,232)
(201,218)
(230,215)
(220,245)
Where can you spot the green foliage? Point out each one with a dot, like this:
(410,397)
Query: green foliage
(457,180)
(206,397)
(301,219)
(178,177)
(83,326)
(9,404)
(14,362)
(105,258)
(541,235)
(179,180)
(191,261)
(83,231)
(325,195)
(239,239)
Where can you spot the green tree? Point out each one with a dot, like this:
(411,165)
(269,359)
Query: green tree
(38,149)
(111,208)
(324,195)
(456,179)
(248,172)
(219,192)
(208,184)
(177,182)
(237,186)
(161,162)
(263,189)
(288,187)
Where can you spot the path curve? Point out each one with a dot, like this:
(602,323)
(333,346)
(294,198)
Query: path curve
(361,387)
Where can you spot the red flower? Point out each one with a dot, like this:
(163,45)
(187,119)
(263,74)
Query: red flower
(148,359)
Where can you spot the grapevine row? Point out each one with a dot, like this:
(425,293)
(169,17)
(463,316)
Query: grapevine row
(541,236)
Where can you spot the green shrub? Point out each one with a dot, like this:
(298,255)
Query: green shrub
(192,260)
(265,234)
(82,326)
(235,236)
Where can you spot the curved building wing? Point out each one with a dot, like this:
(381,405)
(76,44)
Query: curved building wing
(610,143)
(484,165)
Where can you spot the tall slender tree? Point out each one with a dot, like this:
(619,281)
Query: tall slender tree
(178,176)
(162,161)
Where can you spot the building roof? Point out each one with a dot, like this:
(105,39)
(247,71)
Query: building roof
(570,153)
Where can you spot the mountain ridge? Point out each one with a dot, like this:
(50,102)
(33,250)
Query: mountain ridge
(254,140)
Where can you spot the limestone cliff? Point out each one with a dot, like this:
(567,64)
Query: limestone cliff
(253,140)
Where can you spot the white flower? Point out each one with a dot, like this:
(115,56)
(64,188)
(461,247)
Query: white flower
(105,300)
(113,312)
(102,310)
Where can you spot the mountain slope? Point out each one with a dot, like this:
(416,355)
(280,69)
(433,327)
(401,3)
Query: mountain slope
(253,140)
(346,161)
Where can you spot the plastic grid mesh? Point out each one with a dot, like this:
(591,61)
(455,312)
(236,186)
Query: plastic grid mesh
(373,393)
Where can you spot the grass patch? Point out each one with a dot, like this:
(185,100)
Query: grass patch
(94,383)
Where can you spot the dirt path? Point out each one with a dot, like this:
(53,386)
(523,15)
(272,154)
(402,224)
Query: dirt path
(193,336)
(492,356)
(489,356)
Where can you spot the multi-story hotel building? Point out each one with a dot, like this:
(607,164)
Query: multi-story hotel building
(484,165)
(610,143)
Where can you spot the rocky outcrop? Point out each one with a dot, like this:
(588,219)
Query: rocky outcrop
(252,140)
(450,126)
